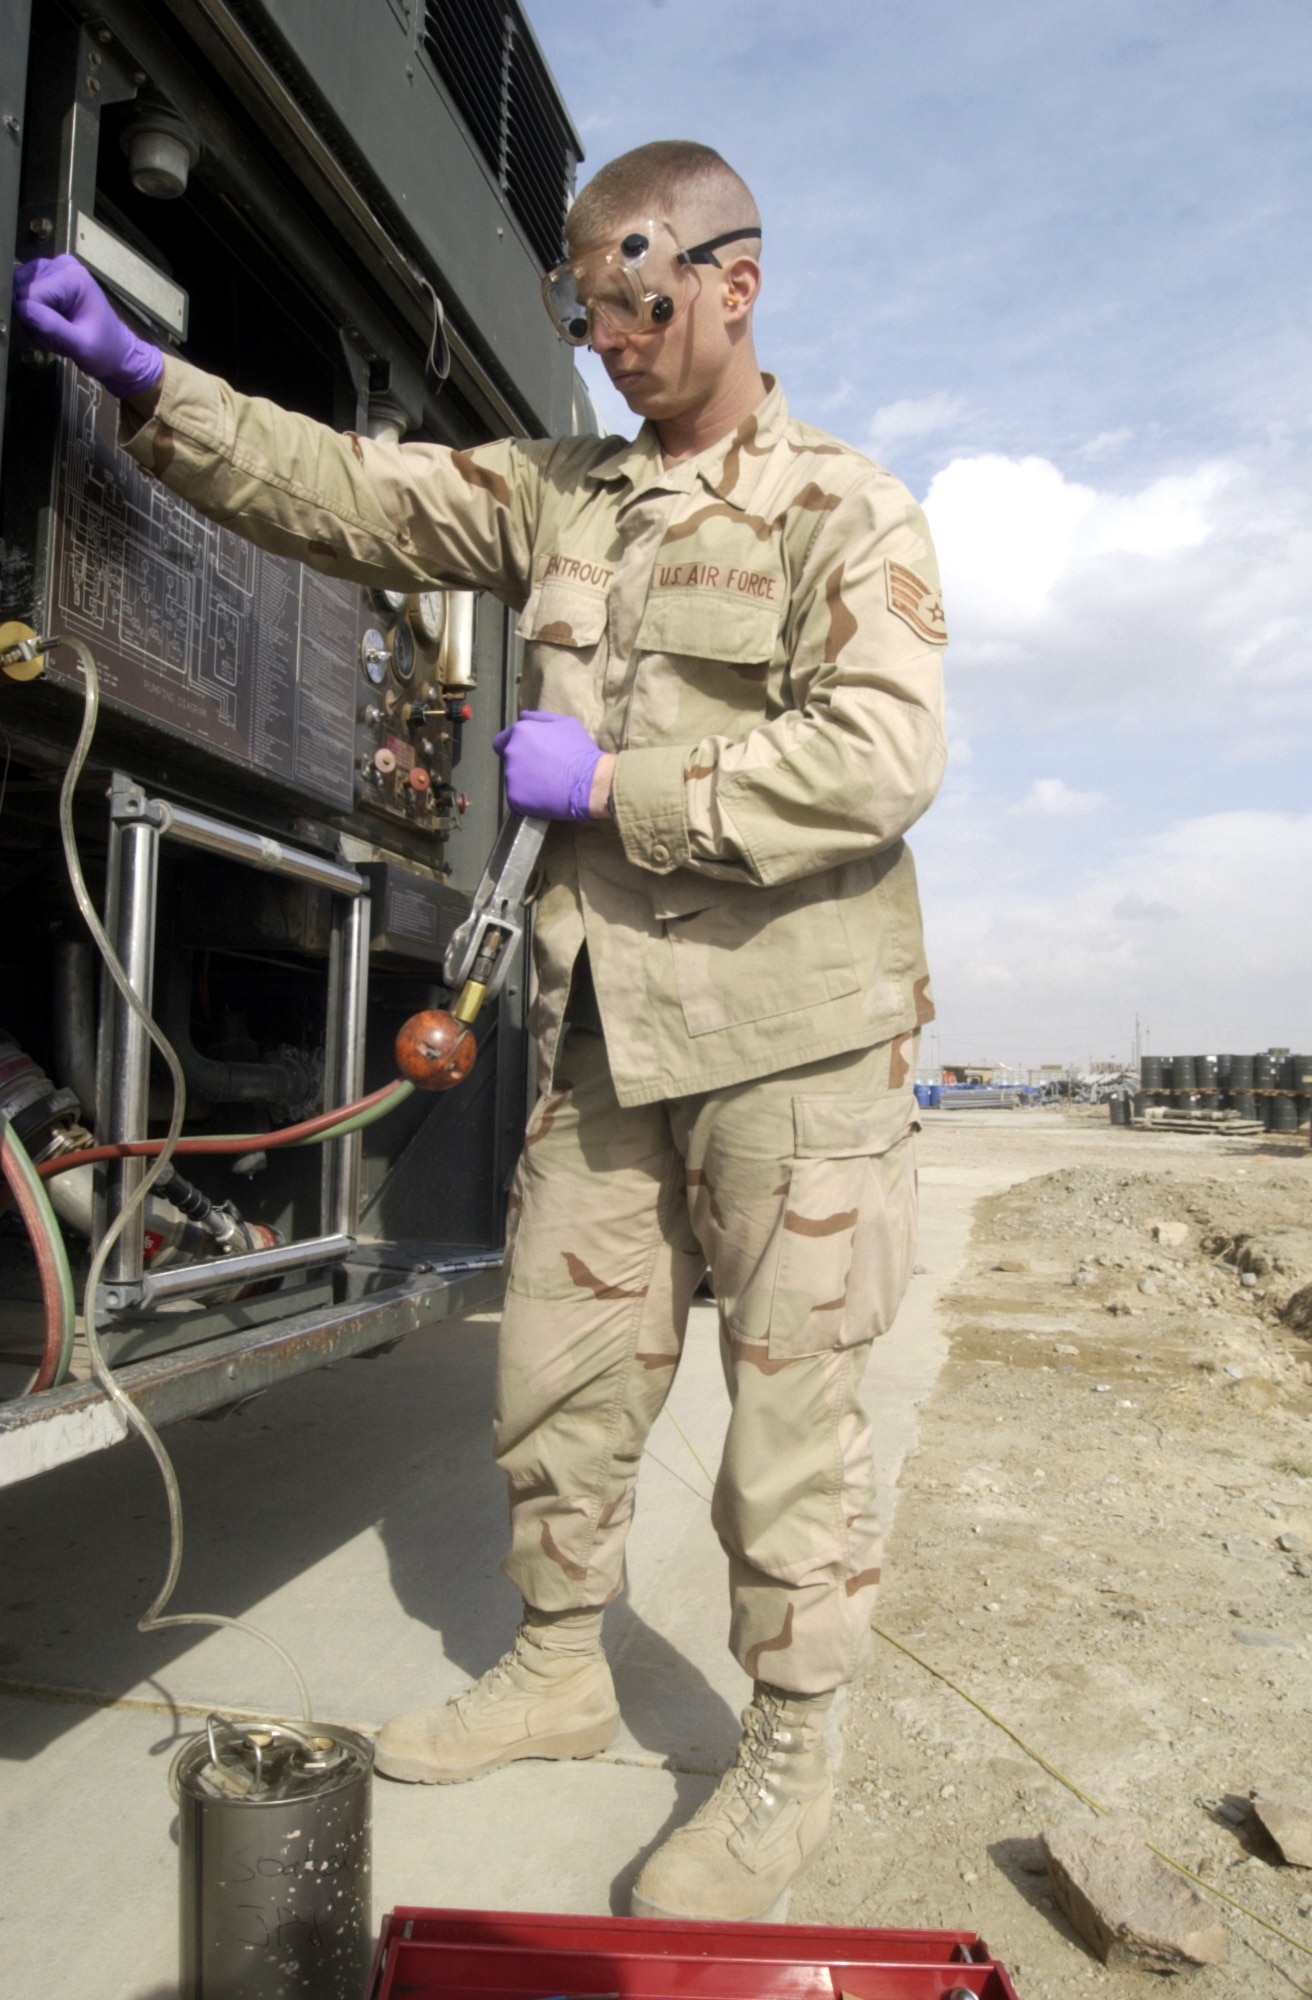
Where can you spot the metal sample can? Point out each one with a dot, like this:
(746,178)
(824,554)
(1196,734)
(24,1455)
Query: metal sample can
(274,1850)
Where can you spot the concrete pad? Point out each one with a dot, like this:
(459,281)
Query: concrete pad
(355,1515)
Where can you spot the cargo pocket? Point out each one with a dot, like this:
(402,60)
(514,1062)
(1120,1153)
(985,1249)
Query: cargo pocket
(848,1232)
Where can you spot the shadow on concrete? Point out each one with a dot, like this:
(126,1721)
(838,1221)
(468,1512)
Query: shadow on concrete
(399,1447)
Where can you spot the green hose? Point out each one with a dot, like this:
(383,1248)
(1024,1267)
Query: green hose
(398,1095)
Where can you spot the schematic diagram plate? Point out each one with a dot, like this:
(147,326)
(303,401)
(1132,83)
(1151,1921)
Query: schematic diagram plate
(194,628)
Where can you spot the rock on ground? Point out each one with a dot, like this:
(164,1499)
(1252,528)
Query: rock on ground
(1125,1903)
(1288,1820)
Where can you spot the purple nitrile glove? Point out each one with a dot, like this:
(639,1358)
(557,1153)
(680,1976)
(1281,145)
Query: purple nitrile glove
(62,306)
(549,762)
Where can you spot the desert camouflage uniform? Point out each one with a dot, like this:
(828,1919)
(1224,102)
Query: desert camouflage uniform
(758,632)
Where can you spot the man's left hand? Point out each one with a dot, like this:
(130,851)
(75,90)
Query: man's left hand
(552,767)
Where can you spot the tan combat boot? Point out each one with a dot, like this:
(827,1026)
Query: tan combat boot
(763,1823)
(550,1696)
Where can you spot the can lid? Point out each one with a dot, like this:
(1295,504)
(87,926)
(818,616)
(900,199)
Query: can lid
(268,1761)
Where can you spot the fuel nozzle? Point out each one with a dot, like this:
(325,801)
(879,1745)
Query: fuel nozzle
(436,1049)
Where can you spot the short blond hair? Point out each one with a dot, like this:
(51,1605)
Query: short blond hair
(666,178)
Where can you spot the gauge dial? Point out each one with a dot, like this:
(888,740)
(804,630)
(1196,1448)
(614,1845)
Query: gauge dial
(403,652)
(374,655)
(428,616)
(389,602)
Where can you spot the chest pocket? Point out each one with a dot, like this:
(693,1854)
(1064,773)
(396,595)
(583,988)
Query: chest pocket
(560,613)
(701,626)
(711,673)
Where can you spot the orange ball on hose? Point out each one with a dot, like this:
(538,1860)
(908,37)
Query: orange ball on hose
(434,1051)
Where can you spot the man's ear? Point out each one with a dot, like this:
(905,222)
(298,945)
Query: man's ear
(740,286)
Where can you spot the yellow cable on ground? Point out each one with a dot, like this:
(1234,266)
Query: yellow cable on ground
(1039,1758)
(1071,1786)
(710,1481)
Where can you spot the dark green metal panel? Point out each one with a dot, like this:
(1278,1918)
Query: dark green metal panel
(15,20)
(379,86)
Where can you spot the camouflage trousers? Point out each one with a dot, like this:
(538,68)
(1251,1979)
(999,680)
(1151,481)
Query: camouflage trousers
(798,1191)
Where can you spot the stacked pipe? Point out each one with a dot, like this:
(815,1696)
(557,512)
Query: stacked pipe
(1272,1088)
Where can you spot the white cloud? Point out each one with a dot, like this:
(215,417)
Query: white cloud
(1052,798)
(1064,599)
(1136,909)
(1190,928)
(913,417)
(1106,441)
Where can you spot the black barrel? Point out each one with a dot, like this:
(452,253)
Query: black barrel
(1241,1072)
(1182,1073)
(1140,1104)
(1298,1075)
(274,1847)
(1223,1069)
(1266,1071)
(1118,1107)
(1243,1103)
(1152,1072)
(1185,1102)
(1205,1076)
(1284,1112)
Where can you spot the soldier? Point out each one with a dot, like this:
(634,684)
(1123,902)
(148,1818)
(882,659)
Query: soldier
(732,712)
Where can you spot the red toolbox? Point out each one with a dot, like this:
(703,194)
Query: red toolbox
(499,1955)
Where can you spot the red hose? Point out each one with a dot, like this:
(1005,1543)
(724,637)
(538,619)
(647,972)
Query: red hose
(248,1142)
(51,1296)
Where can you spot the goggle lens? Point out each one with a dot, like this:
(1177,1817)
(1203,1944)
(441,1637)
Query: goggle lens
(645,282)
(606,287)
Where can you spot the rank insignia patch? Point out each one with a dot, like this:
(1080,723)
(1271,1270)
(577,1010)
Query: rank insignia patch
(911,599)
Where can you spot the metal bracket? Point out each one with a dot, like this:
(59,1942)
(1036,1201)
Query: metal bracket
(138,823)
(217,1273)
(129,806)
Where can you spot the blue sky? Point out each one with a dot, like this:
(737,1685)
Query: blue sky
(1050,261)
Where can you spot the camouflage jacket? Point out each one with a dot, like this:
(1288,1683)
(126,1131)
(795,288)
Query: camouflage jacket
(757,631)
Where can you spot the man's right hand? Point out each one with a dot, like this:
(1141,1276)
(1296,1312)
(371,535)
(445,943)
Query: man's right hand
(62,307)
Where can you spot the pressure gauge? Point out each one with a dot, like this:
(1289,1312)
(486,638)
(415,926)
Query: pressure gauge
(403,652)
(428,616)
(389,602)
(374,655)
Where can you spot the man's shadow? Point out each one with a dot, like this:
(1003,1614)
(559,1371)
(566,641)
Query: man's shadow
(449,1581)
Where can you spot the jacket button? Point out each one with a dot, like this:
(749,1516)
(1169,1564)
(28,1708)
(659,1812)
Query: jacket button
(660,853)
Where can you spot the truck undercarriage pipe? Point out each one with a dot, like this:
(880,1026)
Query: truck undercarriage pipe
(224,1082)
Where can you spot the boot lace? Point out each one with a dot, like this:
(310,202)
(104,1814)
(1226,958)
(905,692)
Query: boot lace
(745,1789)
(497,1678)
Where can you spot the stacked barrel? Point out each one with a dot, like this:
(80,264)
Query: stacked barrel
(1273,1088)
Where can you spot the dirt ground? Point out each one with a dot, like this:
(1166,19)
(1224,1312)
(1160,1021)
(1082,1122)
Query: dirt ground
(1105,1536)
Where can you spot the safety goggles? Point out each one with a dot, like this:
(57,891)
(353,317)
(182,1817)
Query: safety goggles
(645,281)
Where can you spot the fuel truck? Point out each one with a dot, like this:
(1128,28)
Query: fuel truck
(284,800)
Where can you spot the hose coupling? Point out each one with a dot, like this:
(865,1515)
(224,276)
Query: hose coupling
(22,651)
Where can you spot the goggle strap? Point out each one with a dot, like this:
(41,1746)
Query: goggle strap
(704,253)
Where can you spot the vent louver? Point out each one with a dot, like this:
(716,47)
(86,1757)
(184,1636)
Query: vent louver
(499,84)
